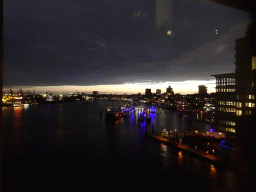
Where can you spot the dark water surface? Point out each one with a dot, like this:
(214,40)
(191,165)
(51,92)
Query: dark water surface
(69,146)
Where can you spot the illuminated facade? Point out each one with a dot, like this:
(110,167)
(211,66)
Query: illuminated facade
(225,115)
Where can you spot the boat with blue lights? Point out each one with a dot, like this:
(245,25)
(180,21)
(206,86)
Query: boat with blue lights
(128,110)
(144,116)
(152,109)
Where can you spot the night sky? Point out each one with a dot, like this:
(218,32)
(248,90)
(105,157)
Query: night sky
(116,42)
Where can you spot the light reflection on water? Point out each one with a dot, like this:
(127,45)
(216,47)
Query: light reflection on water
(73,126)
(180,157)
(17,132)
(212,169)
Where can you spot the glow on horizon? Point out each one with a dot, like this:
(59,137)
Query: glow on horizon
(182,87)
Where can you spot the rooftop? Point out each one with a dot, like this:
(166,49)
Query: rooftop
(225,75)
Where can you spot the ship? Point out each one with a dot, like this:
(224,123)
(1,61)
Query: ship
(114,114)
(152,110)
(144,116)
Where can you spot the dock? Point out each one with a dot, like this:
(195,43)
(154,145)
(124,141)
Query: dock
(182,146)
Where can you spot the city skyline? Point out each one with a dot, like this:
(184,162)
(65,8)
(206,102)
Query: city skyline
(178,87)
(118,47)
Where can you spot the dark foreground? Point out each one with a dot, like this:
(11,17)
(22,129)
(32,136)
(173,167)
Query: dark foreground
(69,146)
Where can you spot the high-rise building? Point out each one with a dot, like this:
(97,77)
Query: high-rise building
(148,93)
(158,91)
(95,93)
(225,112)
(245,86)
(202,89)
(169,91)
(245,67)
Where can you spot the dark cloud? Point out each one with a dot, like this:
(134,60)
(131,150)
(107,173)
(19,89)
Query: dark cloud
(110,42)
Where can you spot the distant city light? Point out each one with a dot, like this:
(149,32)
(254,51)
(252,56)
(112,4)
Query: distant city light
(18,97)
(183,87)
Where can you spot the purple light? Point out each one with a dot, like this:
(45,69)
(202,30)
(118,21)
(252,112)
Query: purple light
(221,144)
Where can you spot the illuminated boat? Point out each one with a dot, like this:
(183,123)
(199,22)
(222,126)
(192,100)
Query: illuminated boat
(128,111)
(152,110)
(142,116)
(17,105)
(114,114)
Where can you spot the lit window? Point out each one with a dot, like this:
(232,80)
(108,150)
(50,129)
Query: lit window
(230,130)
(239,104)
(238,112)
(232,123)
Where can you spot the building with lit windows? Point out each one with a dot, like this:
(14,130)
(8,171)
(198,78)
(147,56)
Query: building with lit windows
(158,91)
(245,67)
(245,93)
(225,114)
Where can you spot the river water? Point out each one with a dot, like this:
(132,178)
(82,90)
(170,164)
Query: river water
(69,145)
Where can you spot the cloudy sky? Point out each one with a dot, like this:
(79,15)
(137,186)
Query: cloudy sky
(118,46)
